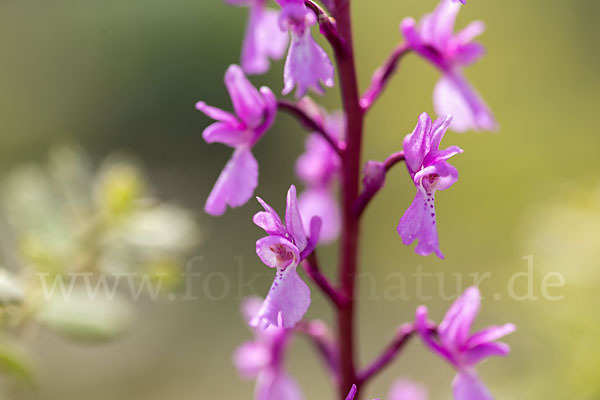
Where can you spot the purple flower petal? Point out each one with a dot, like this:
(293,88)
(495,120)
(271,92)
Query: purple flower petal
(223,132)
(469,33)
(468,386)
(419,223)
(417,144)
(319,163)
(269,220)
(250,358)
(247,102)
(264,39)
(352,393)
(482,351)
(293,220)
(270,112)
(277,252)
(437,28)
(307,66)
(454,329)
(236,183)
(454,96)
(277,385)
(288,300)
(438,129)
(435,177)
(321,202)
(315,231)
(490,334)
(216,113)
(403,389)
(439,156)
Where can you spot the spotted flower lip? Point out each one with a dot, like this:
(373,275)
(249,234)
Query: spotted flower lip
(434,39)
(430,171)
(264,39)
(254,114)
(459,347)
(285,247)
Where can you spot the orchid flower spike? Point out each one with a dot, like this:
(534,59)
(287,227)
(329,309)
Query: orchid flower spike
(435,41)
(264,39)
(254,114)
(262,359)
(462,349)
(427,166)
(307,65)
(285,247)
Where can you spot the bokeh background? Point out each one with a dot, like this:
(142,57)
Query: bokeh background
(123,76)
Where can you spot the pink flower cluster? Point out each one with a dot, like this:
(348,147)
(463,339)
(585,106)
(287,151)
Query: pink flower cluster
(329,165)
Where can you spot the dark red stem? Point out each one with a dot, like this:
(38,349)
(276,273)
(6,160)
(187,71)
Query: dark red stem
(318,335)
(311,267)
(309,123)
(349,192)
(405,332)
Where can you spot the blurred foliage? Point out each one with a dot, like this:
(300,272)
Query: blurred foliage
(64,218)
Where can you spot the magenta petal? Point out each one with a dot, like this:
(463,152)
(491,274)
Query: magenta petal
(250,358)
(417,144)
(476,354)
(247,102)
(439,156)
(275,384)
(288,299)
(264,39)
(352,393)
(322,203)
(269,220)
(470,32)
(419,223)
(223,132)
(404,389)
(216,113)
(444,174)
(277,252)
(454,329)
(438,129)
(437,28)
(293,220)
(319,163)
(315,230)
(468,386)
(270,112)
(236,183)
(490,334)
(307,66)
(469,53)
(454,96)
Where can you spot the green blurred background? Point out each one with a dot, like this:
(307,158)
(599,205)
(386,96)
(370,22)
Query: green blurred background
(124,76)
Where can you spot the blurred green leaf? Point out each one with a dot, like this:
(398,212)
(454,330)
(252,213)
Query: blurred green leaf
(83,319)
